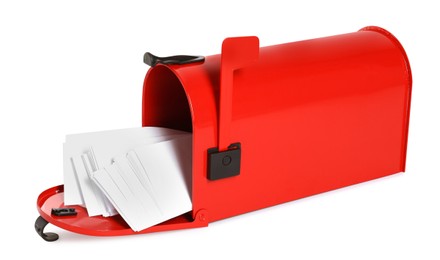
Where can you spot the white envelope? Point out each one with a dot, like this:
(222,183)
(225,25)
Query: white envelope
(93,200)
(151,183)
(168,167)
(104,146)
(99,205)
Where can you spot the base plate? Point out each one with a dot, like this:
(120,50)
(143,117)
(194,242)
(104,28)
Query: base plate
(101,226)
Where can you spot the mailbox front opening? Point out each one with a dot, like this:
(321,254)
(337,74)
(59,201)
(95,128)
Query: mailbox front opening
(165,104)
(164,101)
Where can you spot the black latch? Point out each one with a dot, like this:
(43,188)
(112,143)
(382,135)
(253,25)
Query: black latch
(224,164)
(61,212)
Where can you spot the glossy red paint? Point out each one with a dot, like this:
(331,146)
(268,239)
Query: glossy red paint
(311,116)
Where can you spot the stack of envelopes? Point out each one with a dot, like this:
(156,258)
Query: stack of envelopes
(144,174)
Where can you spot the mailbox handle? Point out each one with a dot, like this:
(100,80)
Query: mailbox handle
(237,52)
(153,60)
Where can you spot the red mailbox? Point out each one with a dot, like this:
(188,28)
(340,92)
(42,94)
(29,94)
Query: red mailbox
(272,124)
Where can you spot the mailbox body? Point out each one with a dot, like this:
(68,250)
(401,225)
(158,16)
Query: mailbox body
(310,116)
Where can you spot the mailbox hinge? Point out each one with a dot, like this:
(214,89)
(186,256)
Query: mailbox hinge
(225,163)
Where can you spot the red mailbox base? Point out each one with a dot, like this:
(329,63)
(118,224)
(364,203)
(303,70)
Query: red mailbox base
(103,226)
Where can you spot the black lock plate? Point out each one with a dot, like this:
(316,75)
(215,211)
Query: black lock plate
(224,164)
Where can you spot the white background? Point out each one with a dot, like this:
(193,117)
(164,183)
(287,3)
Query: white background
(77,67)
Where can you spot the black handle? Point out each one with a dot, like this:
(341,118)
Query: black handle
(40,224)
(153,60)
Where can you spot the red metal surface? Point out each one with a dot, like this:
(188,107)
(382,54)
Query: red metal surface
(311,116)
